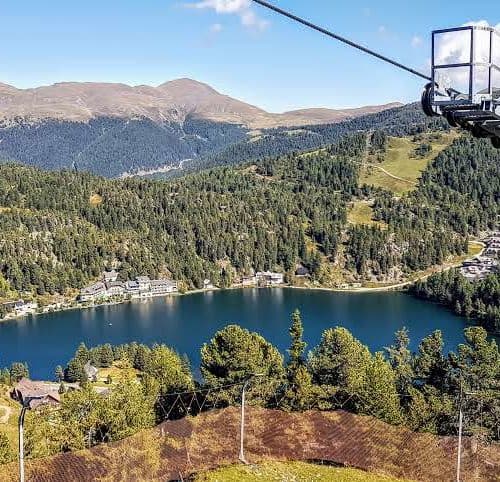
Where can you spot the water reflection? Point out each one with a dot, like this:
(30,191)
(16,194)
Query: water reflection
(186,322)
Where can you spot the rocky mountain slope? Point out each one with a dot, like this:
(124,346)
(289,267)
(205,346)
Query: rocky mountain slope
(172,101)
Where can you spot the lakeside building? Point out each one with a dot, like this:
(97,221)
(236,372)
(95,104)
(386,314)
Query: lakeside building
(93,292)
(269,278)
(480,267)
(249,280)
(141,287)
(20,307)
(109,276)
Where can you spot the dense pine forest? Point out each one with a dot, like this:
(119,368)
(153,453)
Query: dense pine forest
(480,300)
(61,229)
(111,146)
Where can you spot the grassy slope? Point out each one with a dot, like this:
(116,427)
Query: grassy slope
(10,428)
(399,161)
(362,213)
(289,471)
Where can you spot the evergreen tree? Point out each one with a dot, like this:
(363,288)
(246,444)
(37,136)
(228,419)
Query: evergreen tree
(233,355)
(18,371)
(401,360)
(300,393)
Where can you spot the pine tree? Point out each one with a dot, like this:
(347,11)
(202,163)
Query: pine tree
(401,360)
(59,373)
(300,392)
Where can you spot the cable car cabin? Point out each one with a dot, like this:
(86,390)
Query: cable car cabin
(465,86)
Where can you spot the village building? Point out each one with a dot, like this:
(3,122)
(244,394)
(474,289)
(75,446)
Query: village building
(20,307)
(480,267)
(144,283)
(208,285)
(132,288)
(109,276)
(33,394)
(269,278)
(115,288)
(162,287)
(250,280)
(93,292)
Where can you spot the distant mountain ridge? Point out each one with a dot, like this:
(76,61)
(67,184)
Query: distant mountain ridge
(171,101)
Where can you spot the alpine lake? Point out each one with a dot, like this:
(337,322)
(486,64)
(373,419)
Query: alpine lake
(185,322)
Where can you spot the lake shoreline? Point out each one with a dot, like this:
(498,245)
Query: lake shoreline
(381,289)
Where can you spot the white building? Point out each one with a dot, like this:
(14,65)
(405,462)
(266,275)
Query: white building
(115,288)
(162,287)
(144,283)
(249,280)
(109,276)
(270,278)
(93,292)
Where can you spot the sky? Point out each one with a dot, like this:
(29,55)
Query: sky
(238,48)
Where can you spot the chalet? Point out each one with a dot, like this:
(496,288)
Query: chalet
(93,292)
(91,371)
(35,394)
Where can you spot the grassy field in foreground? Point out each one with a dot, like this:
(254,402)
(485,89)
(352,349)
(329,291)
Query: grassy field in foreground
(399,160)
(290,472)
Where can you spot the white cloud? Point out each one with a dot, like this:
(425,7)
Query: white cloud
(455,48)
(242,8)
(416,41)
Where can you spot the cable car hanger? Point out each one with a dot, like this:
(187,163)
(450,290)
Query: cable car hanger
(476,110)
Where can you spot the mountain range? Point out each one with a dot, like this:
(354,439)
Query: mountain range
(183,125)
(172,101)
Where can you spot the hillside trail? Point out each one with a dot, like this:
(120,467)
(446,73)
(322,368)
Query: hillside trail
(365,162)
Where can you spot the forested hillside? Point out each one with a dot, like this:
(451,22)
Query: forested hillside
(400,121)
(112,146)
(60,229)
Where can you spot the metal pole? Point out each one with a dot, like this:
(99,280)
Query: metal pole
(21,444)
(242,425)
(459,454)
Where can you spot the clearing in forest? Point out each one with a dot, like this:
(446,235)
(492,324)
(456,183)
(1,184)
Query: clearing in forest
(401,165)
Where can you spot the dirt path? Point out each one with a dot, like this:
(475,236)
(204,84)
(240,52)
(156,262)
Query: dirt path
(387,173)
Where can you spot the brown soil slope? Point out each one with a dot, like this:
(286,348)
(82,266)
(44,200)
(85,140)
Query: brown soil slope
(183,447)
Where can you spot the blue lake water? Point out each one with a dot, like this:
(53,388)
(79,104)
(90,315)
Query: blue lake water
(186,322)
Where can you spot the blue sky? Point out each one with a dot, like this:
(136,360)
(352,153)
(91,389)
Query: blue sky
(249,54)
